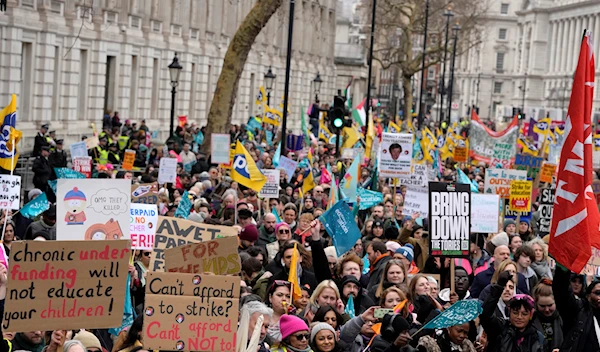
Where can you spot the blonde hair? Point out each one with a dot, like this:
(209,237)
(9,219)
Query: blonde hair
(319,289)
(501,268)
(404,311)
(540,243)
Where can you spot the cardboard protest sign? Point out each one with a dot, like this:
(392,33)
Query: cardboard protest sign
(92,142)
(173,232)
(545,209)
(271,188)
(83,164)
(485,211)
(65,285)
(145,193)
(532,164)
(219,148)
(520,195)
(395,154)
(497,181)
(461,154)
(10,192)
(231,156)
(219,257)
(503,154)
(92,209)
(128,159)
(449,219)
(548,171)
(167,172)
(416,201)
(288,165)
(190,312)
(142,227)
(78,149)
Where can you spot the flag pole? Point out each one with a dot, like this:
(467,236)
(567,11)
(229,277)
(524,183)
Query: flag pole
(12,171)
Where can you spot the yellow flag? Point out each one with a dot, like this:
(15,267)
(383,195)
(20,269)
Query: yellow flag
(261,98)
(394,128)
(293,276)
(244,170)
(351,137)
(10,154)
(369,140)
(542,126)
(309,181)
(272,116)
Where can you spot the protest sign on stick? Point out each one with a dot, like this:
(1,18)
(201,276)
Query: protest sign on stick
(497,181)
(520,195)
(167,171)
(395,154)
(173,232)
(485,213)
(219,257)
(545,209)
(10,192)
(83,164)
(144,218)
(190,312)
(449,219)
(146,193)
(271,187)
(128,159)
(548,171)
(66,285)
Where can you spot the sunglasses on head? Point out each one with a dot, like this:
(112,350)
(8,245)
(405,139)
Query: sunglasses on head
(301,337)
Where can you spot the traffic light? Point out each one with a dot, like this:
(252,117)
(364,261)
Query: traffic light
(337,113)
(521,114)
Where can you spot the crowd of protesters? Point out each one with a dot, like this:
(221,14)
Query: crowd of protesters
(529,303)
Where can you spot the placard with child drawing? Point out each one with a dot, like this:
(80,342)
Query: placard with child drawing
(93,209)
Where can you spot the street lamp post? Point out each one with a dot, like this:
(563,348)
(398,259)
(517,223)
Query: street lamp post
(269,80)
(372,93)
(448,14)
(370,64)
(396,96)
(286,86)
(174,71)
(317,82)
(421,101)
(455,30)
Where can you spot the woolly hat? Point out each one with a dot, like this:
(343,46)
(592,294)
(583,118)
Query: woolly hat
(88,340)
(392,246)
(75,194)
(318,327)
(508,222)
(350,278)
(501,239)
(281,224)
(407,251)
(249,233)
(290,324)
(391,233)
(398,324)
(33,193)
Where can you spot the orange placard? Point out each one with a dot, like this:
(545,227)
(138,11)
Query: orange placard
(461,154)
(548,171)
(128,159)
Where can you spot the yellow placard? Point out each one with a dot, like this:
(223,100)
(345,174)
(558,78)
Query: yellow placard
(461,154)
(520,196)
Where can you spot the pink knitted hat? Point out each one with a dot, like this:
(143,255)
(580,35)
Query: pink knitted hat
(290,324)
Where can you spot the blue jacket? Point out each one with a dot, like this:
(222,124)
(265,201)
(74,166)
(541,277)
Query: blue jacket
(484,278)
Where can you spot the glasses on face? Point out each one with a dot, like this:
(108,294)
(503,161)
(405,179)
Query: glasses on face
(520,313)
(301,337)
(284,231)
(318,191)
(462,278)
(146,254)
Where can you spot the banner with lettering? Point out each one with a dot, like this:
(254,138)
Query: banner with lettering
(497,181)
(190,312)
(173,232)
(142,228)
(545,209)
(66,285)
(482,140)
(340,225)
(145,193)
(449,219)
(219,257)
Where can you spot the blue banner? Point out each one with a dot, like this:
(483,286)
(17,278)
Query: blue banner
(37,206)
(340,225)
(64,172)
(368,198)
(184,207)
(253,124)
(459,313)
(464,179)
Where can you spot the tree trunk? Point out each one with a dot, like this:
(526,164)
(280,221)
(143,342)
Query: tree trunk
(219,116)
(408,95)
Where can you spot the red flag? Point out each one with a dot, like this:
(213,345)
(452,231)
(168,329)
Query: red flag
(575,217)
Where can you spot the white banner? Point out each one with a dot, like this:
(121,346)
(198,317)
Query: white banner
(485,210)
(395,154)
(271,188)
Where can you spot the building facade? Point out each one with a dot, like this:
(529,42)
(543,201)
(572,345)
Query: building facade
(70,61)
(486,76)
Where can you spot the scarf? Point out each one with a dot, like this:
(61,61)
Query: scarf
(143,270)
(290,348)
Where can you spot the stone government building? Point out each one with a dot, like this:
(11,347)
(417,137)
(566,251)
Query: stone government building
(70,60)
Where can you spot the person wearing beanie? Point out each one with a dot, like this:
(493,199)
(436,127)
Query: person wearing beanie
(420,245)
(322,338)
(89,341)
(406,254)
(350,285)
(33,193)
(392,246)
(509,226)
(295,335)
(248,235)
